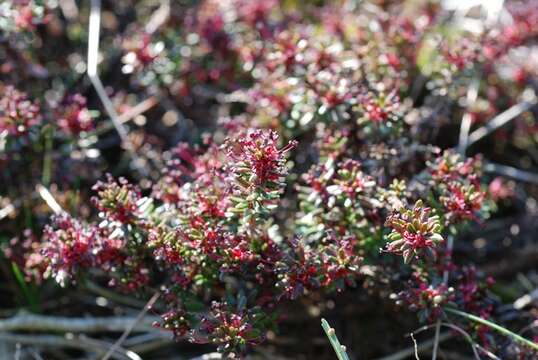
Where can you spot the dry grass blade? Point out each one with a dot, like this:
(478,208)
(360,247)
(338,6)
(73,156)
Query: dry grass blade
(49,199)
(93,58)
(6,210)
(472,94)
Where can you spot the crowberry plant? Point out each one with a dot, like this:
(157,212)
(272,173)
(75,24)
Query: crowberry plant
(289,153)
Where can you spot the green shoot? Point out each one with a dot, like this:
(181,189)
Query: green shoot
(494,326)
(339,349)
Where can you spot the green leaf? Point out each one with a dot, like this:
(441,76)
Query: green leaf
(30,295)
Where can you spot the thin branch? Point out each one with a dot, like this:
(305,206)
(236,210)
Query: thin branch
(159,17)
(130,114)
(115,297)
(147,338)
(127,331)
(109,107)
(69,9)
(415,346)
(77,342)
(504,117)
(466,335)
(32,322)
(426,345)
(93,59)
(103,345)
(209,356)
(156,343)
(35,354)
(512,172)
(140,108)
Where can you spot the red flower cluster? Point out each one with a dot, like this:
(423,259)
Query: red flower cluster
(232,331)
(140,52)
(463,201)
(22,15)
(258,168)
(175,321)
(523,28)
(73,115)
(414,232)
(456,183)
(472,292)
(18,114)
(117,200)
(333,263)
(500,189)
(257,160)
(380,108)
(426,298)
(68,247)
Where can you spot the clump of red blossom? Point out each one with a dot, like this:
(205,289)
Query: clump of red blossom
(458,186)
(18,114)
(257,160)
(22,15)
(258,169)
(231,330)
(472,291)
(175,321)
(117,200)
(333,263)
(140,51)
(73,115)
(462,201)
(500,189)
(414,232)
(379,108)
(68,247)
(425,297)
